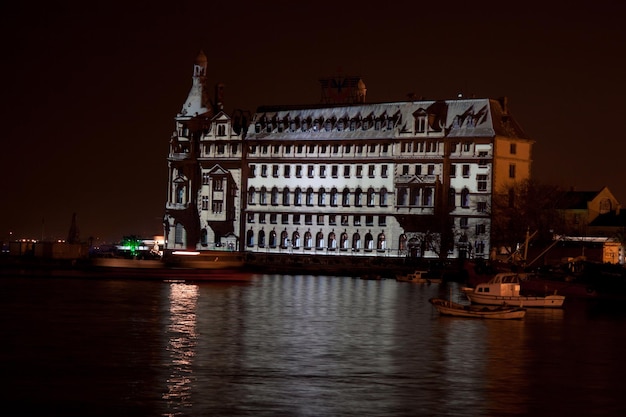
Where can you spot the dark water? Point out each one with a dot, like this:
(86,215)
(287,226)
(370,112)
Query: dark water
(297,346)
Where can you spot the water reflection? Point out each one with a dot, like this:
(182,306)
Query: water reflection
(182,340)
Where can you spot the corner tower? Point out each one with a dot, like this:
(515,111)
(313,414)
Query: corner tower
(204,172)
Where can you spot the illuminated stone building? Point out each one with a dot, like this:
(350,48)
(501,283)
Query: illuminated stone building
(411,178)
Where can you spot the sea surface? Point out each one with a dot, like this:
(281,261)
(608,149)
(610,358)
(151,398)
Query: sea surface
(284,345)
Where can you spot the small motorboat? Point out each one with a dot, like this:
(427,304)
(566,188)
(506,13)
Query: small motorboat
(501,312)
(418,277)
(505,288)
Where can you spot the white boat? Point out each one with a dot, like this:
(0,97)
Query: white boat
(418,277)
(501,312)
(505,288)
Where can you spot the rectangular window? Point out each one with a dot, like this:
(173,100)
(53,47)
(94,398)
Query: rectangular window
(299,171)
(252,149)
(262,218)
(250,217)
(218,184)
(218,206)
(405,170)
(300,149)
(513,148)
(463,222)
(359,171)
(322,171)
(287,171)
(453,170)
(252,171)
(332,220)
(347,148)
(276,149)
(418,170)
(335,171)
(264,170)
(481,182)
(284,218)
(220,149)
(383,171)
(512,171)
(264,149)
(480,229)
(335,149)
(357,220)
(320,219)
(275,171)
(308,219)
(346,171)
(466,171)
(344,220)
(205,178)
(431,169)
(287,149)
(371,170)
(296,219)
(481,206)
(310,171)
(273,218)
(483,158)
(205,202)
(382,220)
(323,148)
(369,220)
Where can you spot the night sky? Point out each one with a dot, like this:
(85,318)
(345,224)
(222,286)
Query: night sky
(89,92)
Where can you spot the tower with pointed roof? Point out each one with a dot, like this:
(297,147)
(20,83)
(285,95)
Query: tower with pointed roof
(204,171)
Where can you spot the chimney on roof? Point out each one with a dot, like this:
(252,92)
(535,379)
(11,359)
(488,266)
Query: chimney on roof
(504,103)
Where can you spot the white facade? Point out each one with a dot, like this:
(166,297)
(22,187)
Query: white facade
(389,179)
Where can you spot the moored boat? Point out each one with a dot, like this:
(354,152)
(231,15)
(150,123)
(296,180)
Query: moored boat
(418,277)
(501,312)
(505,288)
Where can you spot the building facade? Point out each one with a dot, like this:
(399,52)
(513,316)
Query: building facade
(411,178)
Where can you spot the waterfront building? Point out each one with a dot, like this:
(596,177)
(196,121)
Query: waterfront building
(409,178)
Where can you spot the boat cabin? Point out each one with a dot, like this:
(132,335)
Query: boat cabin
(503,284)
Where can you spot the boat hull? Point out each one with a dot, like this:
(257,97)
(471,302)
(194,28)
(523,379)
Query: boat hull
(449,308)
(550,301)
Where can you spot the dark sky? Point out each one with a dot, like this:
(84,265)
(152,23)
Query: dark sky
(89,92)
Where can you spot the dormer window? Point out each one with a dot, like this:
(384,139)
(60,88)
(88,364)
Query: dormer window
(221,130)
(340,125)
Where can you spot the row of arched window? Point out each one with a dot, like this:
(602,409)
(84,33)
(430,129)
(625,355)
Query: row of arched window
(309,196)
(307,241)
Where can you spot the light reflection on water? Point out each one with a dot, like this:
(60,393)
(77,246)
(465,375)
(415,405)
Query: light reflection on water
(298,346)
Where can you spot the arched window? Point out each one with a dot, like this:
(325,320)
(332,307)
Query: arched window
(297,197)
(346,197)
(356,241)
(263,196)
(274,196)
(321,197)
(250,238)
(380,242)
(251,193)
(319,240)
(344,241)
(261,238)
(383,197)
(286,196)
(369,241)
(284,239)
(358,196)
(333,197)
(272,239)
(465,200)
(402,242)
(308,240)
(309,196)
(371,195)
(295,240)
(332,241)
